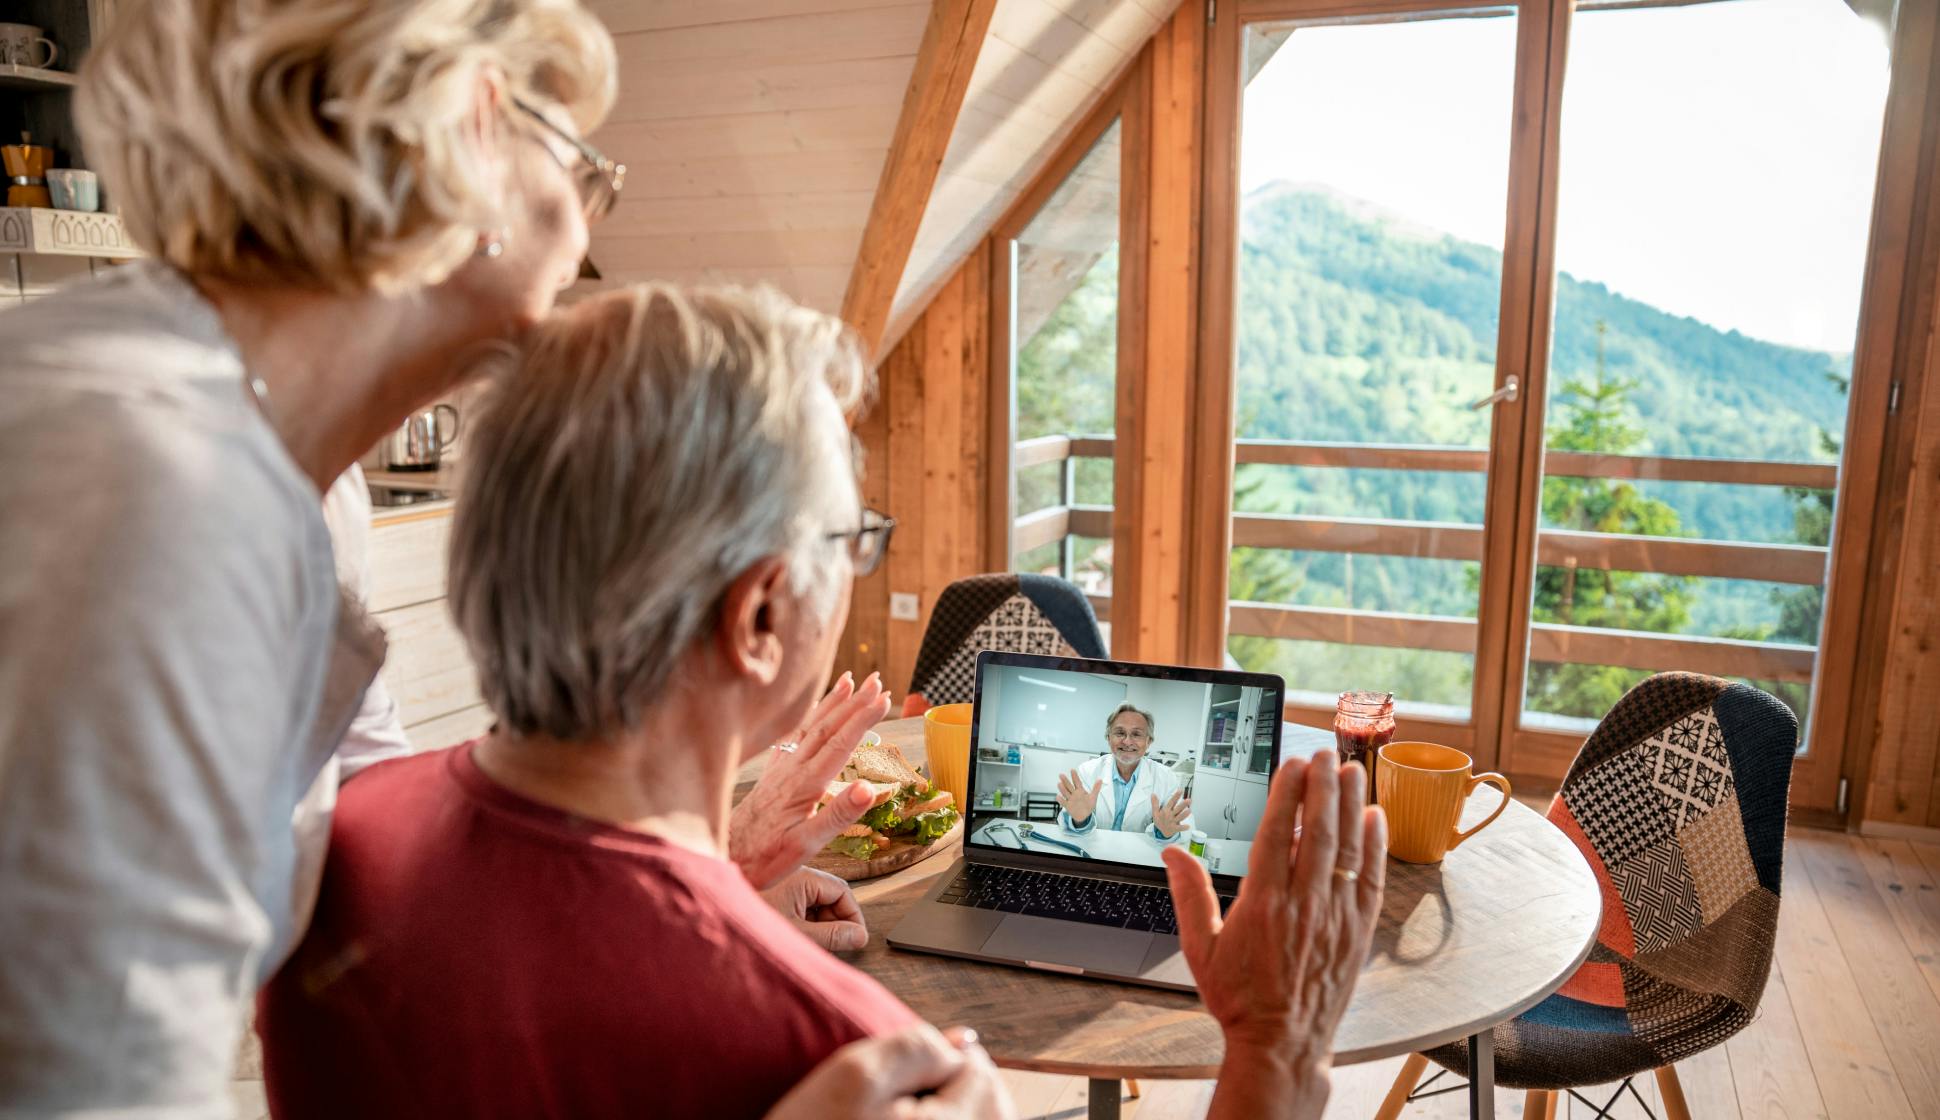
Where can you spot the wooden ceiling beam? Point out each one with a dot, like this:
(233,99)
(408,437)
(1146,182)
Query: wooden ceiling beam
(948,54)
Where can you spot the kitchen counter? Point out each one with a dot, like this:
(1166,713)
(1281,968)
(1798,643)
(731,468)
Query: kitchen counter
(442,482)
(381,516)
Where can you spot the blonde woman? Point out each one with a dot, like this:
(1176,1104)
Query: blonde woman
(344,204)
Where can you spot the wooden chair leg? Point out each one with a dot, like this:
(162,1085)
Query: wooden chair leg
(1671,1093)
(1131,1088)
(1404,1083)
(1539,1104)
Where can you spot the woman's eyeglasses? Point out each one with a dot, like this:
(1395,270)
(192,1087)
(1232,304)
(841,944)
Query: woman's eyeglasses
(596,178)
(869,544)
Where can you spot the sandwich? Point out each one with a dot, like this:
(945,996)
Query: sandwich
(906,807)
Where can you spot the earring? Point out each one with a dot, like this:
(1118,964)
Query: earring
(493,248)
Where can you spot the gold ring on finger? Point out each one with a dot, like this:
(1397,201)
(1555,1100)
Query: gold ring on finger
(1346,874)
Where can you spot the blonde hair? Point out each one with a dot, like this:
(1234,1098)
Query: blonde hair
(646,448)
(326,143)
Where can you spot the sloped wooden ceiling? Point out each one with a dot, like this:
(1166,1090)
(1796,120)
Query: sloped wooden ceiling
(1044,64)
(753,132)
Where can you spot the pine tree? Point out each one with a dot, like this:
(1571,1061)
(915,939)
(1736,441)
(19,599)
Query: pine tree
(1594,418)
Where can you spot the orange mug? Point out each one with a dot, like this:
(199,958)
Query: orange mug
(1423,788)
(946,743)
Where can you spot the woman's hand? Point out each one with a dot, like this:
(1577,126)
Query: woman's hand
(878,1079)
(775,828)
(1170,817)
(1278,970)
(821,906)
(1075,799)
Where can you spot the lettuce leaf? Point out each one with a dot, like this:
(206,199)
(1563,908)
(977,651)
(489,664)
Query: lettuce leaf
(855,847)
(884,817)
(932,825)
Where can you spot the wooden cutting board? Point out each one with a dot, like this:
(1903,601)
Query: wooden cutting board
(898,855)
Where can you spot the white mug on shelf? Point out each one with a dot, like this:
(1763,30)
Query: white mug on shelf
(74,189)
(22,44)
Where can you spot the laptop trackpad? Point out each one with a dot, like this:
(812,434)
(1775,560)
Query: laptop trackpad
(1072,944)
(1165,964)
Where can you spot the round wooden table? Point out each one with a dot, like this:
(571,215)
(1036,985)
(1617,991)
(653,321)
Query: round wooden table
(1461,946)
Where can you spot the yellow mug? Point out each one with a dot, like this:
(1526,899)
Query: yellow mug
(1423,788)
(946,741)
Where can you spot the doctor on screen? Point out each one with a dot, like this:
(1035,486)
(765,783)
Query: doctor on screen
(1122,789)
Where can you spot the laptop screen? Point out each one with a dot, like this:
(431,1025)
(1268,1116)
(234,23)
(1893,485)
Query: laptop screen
(1110,761)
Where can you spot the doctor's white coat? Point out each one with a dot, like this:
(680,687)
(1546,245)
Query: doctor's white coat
(1150,778)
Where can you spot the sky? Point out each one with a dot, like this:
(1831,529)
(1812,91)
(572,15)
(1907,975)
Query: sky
(1718,160)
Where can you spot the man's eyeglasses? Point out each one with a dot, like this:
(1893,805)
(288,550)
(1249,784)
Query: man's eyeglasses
(869,544)
(1136,736)
(596,178)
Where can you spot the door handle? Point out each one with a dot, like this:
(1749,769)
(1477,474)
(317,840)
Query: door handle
(1510,386)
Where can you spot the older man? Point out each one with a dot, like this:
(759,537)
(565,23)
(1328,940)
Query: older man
(1144,795)
(651,562)
(548,921)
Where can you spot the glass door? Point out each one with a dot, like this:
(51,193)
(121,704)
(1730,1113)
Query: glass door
(1712,223)
(1382,277)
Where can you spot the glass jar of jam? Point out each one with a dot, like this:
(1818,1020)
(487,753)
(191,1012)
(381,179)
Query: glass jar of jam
(1363,724)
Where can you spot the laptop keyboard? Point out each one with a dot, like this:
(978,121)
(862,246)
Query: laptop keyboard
(1074,898)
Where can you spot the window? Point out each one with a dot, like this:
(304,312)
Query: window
(1063,316)
(1368,304)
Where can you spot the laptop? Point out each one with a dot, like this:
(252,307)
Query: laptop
(1038,889)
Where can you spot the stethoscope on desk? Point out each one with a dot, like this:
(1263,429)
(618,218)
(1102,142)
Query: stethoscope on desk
(1024,832)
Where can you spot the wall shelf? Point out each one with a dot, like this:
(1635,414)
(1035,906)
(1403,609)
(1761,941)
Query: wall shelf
(34,78)
(67,233)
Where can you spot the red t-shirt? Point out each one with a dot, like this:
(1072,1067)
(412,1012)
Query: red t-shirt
(477,954)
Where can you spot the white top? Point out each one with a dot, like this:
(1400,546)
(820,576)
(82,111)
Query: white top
(377,733)
(175,670)
(1150,778)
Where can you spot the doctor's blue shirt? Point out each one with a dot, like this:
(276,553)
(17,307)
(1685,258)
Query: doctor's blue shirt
(1121,796)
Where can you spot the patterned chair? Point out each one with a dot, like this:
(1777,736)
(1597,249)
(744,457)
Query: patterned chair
(1008,612)
(1678,802)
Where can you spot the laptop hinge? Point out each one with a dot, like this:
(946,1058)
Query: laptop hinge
(1076,867)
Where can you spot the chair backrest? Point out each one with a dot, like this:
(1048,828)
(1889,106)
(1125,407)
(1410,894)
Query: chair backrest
(1678,802)
(1008,612)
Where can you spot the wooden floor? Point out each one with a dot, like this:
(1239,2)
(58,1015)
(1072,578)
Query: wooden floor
(1849,1028)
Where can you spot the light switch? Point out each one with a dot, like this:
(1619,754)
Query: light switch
(902,606)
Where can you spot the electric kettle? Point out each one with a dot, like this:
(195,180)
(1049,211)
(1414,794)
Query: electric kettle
(418,443)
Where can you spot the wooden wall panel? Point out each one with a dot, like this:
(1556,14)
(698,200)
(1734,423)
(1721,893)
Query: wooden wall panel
(1158,344)
(1905,780)
(1888,655)
(923,442)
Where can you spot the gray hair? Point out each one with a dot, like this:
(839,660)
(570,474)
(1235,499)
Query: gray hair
(646,448)
(1151,725)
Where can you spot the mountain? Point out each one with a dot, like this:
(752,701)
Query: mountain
(1359,326)
(1356,325)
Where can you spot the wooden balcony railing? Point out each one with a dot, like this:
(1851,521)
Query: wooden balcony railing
(1802,565)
